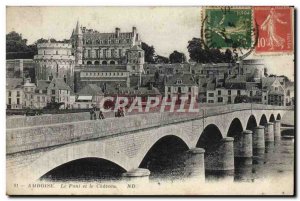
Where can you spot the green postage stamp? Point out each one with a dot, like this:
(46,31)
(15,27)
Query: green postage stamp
(227,27)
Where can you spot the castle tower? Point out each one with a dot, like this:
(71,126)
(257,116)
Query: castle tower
(78,44)
(55,60)
(136,60)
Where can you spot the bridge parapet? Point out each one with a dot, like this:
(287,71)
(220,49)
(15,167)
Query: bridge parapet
(29,121)
(30,138)
(43,136)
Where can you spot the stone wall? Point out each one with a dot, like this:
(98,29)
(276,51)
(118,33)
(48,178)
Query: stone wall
(28,121)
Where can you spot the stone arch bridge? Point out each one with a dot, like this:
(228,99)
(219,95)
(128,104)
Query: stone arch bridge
(40,144)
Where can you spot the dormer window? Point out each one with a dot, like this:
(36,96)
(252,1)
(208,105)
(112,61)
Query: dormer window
(179,82)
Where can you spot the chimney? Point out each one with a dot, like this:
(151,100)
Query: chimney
(134,30)
(151,86)
(117,32)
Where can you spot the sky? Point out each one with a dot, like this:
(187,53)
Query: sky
(166,28)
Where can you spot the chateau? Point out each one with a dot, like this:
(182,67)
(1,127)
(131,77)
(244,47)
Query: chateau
(106,58)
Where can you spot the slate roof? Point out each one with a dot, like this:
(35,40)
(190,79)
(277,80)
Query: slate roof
(136,48)
(132,91)
(187,79)
(268,81)
(58,83)
(43,84)
(13,83)
(90,89)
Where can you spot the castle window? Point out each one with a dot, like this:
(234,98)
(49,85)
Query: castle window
(179,82)
(140,54)
(56,52)
(89,63)
(112,53)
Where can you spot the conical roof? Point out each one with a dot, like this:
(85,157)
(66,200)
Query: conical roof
(78,29)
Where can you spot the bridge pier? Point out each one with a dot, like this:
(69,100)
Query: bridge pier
(221,158)
(258,141)
(277,130)
(243,147)
(269,136)
(194,164)
(137,175)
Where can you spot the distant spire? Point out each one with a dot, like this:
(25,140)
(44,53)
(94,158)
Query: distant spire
(78,29)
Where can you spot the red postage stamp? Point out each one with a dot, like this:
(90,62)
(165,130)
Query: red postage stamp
(275,29)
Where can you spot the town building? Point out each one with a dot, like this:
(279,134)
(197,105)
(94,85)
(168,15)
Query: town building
(181,85)
(14,93)
(131,93)
(105,75)
(46,91)
(289,93)
(274,91)
(89,96)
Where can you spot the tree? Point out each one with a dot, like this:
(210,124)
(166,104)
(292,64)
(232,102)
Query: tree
(195,50)
(15,42)
(149,52)
(242,99)
(161,59)
(200,54)
(16,47)
(177,57)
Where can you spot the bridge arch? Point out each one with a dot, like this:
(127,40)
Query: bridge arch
(178,136)
(278,117)
(272,118)
(251,123)
(68,153)
(211,135)
(235,128)
(164,154)
(263,120)
(87,168)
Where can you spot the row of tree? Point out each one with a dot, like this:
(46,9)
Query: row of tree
(200,54)
(152,57)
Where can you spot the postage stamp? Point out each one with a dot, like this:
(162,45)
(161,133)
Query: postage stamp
(228,27)
(275,27)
